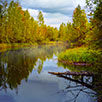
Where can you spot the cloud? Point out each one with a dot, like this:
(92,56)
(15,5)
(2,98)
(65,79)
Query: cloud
(55,19)
(81,2)
(55,11)
(47,3)
(33,12)
(50,6)
(52,19)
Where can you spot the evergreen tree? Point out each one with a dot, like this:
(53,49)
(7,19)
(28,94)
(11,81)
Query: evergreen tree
(79,26)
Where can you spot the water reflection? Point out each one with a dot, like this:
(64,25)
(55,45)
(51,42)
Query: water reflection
(92,82)
(16,65)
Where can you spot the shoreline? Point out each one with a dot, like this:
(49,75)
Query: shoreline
(5,46)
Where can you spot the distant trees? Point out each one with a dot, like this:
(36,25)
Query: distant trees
(17,26)
(76,31)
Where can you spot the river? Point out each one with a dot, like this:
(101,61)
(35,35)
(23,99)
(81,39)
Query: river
(24,77)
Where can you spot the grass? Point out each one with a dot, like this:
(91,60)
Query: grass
(80,55)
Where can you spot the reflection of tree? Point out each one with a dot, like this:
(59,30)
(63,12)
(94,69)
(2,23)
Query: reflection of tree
(39,65)
(16,65)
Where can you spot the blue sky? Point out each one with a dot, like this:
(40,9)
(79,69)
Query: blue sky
(55,11)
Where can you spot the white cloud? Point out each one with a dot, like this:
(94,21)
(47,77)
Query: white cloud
(55,19)
(47,3)
(53,6)
(52,19)
(81,2)
(55,11)
(33,13)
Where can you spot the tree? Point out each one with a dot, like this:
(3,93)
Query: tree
(51,33)
(40,18)
(3,17)
(79,26)
(62,31)
(69,32)
(95,10)
(14,29)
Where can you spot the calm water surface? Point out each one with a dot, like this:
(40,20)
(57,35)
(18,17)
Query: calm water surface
(24,77)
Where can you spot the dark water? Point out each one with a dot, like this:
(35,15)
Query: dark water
(24,77)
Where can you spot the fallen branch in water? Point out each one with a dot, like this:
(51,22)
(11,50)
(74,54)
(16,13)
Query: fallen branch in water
(82,73)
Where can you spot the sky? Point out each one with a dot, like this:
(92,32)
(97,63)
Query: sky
(54,11)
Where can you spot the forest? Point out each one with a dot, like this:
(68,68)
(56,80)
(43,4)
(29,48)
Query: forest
(17,26)
(83,35)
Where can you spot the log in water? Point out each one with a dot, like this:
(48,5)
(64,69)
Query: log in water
(81,73)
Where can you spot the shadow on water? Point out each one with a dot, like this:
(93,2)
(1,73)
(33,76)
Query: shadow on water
(26,72)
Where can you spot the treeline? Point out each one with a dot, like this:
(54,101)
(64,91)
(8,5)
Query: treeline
(84,35)
(84,31)
(17,26)
(76,31)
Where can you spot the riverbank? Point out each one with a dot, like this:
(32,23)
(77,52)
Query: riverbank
(5,46)
(80,56)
